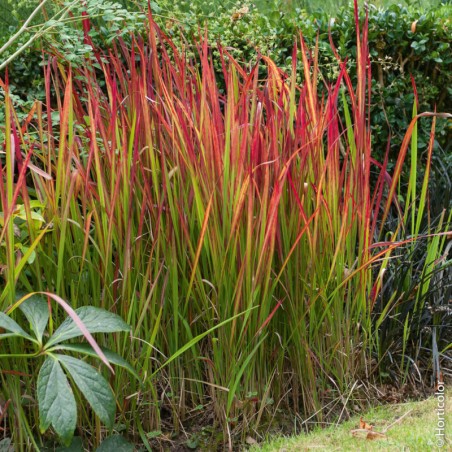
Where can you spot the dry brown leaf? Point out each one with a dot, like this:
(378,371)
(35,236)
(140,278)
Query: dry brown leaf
(240,13)
(365,433)
(375,435)
(359,433)
(413,27)
(363,425)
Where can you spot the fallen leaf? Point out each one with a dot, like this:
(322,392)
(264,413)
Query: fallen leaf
(375,435)
(367,434)
(240,13)
(363,425)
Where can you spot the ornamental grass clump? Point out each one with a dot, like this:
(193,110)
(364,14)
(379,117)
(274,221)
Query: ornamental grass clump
(237,232)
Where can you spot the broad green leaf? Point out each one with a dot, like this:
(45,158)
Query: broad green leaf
(37,219)
(36,311)
(8,324)
(76,319)
(117,443)
(26,250)
(112,357)
(93,386)
(96,320)
(56,401)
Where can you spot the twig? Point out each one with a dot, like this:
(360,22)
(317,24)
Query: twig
(38,34)
(24,26)
(397,421)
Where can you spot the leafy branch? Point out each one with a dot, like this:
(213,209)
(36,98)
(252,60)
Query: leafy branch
(43,28)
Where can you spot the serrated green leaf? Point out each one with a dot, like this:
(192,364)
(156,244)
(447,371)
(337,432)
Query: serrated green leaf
(8,324)
(96,320)
(93,386)
(36,311)
(112,357)
(117,443)
(56,401)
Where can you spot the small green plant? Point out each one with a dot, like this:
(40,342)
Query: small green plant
(57,405)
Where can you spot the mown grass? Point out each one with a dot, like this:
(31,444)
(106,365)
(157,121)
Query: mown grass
(406,426)
(237,232)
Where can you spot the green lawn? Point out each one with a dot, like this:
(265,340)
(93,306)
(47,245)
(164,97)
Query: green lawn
(406,426)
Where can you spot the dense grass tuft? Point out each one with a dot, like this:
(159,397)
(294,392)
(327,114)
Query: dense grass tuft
(237,232)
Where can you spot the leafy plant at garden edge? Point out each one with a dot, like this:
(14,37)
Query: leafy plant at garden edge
(57,405)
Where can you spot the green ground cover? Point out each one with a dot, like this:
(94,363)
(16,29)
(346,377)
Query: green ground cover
(404,426)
